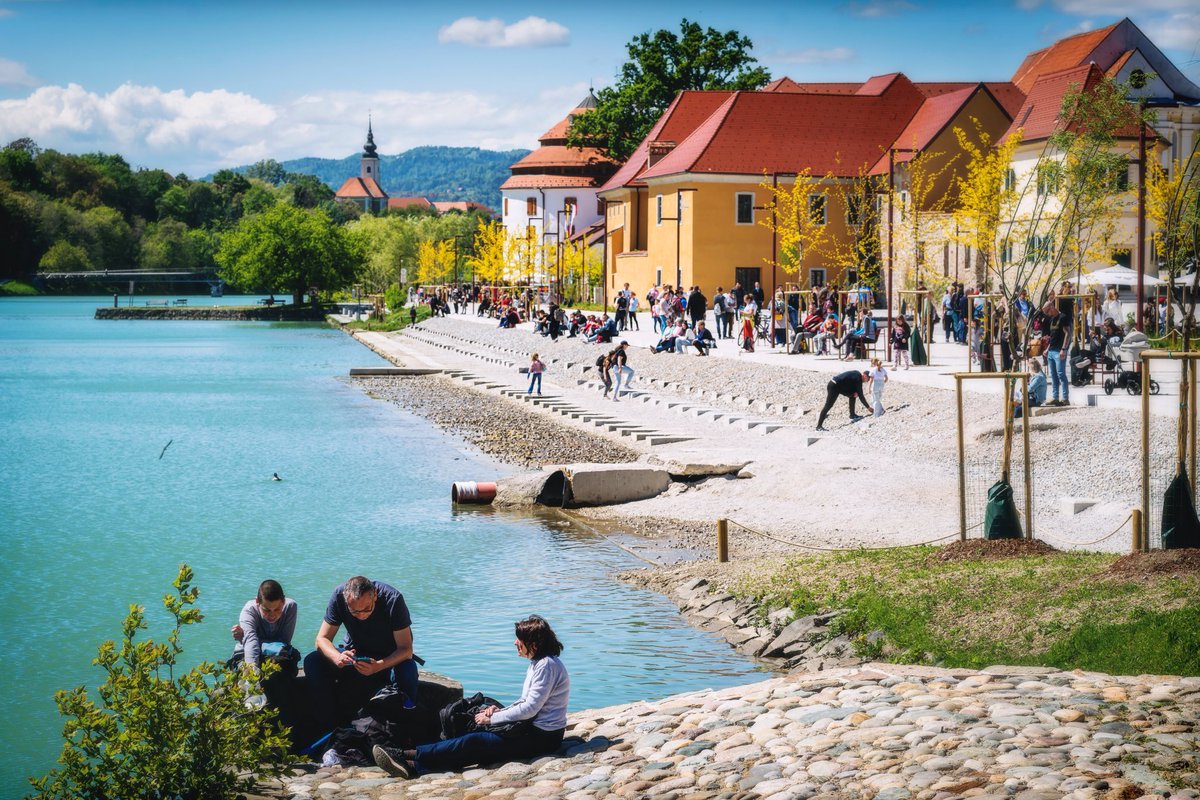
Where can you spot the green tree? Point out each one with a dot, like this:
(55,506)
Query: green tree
(65,257)
(18,165)
(111,243)
(660,66)
(159,732)
(269,171)
(288,249)
(258,198)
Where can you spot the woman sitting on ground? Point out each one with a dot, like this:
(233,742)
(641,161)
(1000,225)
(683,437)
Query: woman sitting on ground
(541,713)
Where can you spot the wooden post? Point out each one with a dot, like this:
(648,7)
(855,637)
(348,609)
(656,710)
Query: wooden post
(1026,415)
(1138,533)
(722,540)
(1145,445)
(962,467)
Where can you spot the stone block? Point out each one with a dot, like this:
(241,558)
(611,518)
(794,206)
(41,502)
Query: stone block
(1071,506)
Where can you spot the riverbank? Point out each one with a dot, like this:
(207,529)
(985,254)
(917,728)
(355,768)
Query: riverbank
(878,732)
(263,313)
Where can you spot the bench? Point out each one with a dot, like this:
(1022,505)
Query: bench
(182,301)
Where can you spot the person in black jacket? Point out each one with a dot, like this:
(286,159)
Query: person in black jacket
(697,305)
(848,384)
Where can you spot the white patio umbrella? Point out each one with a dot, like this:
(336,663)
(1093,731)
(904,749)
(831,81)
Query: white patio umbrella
(1116,275)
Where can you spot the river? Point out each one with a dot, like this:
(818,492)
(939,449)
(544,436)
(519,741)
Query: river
(128,447)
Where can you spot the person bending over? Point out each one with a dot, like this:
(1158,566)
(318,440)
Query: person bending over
(540,714)
(378,650)
(847,384)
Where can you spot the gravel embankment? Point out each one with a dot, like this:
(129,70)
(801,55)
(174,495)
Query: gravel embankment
(496,426)
(1080,452)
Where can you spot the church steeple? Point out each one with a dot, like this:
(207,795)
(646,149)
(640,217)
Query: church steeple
(369,147)
(370,161)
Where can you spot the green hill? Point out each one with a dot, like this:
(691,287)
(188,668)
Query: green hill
(439,173)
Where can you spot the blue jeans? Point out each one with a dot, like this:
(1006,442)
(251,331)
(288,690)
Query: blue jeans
(1058,374)
(484,747)
(337,693)
(535,377)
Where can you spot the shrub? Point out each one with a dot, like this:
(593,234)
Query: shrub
(156,734)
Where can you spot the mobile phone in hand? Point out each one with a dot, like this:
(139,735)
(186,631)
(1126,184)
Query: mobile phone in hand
(363,658)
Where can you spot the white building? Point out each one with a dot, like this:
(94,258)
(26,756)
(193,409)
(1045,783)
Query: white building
(551,195)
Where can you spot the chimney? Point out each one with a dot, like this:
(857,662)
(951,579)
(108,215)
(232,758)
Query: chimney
(658,151)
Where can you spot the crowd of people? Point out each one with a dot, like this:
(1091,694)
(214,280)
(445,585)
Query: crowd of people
(1069,334)
(374,672)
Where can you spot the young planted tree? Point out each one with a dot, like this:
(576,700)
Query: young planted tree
(985,196)
(1173,205)
(919,214)
(158,731)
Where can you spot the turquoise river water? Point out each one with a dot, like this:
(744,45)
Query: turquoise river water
(95,515)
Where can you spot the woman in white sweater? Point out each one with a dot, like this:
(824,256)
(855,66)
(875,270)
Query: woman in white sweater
(534,723)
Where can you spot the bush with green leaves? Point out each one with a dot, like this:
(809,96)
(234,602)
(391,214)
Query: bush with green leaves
(156,734)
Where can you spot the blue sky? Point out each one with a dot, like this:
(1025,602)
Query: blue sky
(199,85)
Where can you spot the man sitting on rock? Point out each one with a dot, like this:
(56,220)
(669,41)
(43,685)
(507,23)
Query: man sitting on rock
(378,650)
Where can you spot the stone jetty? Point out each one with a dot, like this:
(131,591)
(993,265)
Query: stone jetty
(877,732)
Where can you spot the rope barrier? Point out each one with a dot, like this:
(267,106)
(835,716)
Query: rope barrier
(844,549)
(1094,541)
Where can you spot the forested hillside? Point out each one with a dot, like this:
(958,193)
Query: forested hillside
(439,173)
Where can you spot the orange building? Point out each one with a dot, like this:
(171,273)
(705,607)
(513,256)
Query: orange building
(686,208)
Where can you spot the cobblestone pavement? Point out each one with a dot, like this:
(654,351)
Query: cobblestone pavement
(881,732)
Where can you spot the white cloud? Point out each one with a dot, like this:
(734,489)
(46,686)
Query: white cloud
(814,55)
(880,8)
(6,12)
(1177,31)
(14,73)
(529,32)
(200,132)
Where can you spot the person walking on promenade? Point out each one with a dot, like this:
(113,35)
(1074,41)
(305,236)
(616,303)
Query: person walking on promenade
(536,368)
(847,384)
(879,378)
(633,309)
(619,360)
(1056,354)
(719,312)
(697,305)
(534,725)
(749,318)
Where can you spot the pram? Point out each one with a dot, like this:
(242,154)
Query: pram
(1129,352)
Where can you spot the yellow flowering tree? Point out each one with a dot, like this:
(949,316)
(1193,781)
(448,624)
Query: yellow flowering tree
(1173,205)
(919,216)
(435,262)
(797,216)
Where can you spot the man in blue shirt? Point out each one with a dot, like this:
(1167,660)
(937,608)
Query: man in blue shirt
(378,650)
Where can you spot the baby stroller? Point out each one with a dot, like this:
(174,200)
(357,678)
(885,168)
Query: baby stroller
(1130,352)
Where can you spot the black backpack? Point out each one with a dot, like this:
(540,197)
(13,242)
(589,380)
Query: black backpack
(458,718)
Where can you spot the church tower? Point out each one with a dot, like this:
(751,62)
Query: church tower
(370,161)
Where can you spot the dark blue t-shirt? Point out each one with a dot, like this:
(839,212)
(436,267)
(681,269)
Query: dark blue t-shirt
(371,636)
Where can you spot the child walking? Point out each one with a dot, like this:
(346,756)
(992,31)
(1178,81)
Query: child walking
(879,377)
(536,368)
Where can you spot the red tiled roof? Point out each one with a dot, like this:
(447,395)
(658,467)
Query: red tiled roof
(1063,54)
(558,134)
(1115,69)
(880,83)
(359,188)
(1007,94)
(788,85)
(549,182)
(686,111)
(405,202)
(459,205)
(753,132)
(1039,115)
(560,156)
(930,120)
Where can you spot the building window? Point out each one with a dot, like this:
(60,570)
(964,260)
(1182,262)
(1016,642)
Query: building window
(1010,180)
(1006,252)
(745,208)
(967,258)
(903,205)
(658,277)
(853,210)
(1120,180)
(658,210)
(852,277)
(1047,182)
(531,206)
(506,206)
(600,209)
(816,209)
(816,277)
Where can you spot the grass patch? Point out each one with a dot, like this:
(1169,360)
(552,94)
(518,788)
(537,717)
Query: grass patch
(18,289)
(1057,610)
(393,322)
